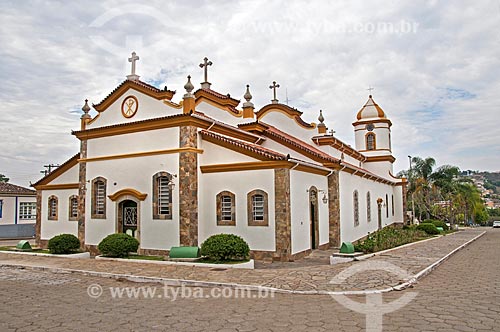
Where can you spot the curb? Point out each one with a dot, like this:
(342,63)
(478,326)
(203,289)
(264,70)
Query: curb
(194,283)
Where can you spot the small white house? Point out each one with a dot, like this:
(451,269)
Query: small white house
(17,211)
(176,172)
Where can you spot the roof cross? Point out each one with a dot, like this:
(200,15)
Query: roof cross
(205,65)
(370,89)
(133,59)
(274,86)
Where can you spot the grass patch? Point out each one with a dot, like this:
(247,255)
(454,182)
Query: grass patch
(388,238)
(34,250)
(212,261)
(145,257)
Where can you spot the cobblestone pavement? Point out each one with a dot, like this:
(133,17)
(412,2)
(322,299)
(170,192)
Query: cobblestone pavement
(311,274)
(463,294)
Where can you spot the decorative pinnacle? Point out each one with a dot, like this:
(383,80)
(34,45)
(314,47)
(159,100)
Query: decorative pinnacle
(189,86)
(247,95)
(86,107)
(321,119)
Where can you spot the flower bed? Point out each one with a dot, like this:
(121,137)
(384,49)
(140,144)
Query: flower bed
(388,238)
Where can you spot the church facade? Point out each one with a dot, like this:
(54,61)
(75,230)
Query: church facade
(174,173)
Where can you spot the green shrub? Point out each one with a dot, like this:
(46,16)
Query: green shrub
(225,247)
(118,245)
(63,244)
(387,238)
(429,228)
(437,223)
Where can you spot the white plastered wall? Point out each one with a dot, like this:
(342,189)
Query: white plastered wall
(51,228)
(149,108)
(135,173)
(347,184)
(70,176)
(288,125)
(300,182)
(9,208)
(219,114)
(239,183)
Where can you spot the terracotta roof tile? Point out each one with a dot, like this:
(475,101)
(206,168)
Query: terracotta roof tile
(308,148)
(12,189)
(268,153)
(217,94)
(139,83)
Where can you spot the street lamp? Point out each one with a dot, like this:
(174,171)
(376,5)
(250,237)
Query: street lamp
(412,198)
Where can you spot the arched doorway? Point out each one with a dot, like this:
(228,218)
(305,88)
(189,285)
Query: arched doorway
(313,216)
(127,217)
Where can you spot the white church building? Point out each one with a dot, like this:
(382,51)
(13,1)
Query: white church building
(174,173)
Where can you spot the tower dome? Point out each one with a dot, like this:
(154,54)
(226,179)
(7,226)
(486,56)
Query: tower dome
(371,111)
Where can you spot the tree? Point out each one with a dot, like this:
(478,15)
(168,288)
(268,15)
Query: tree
(443,193)
(3,178)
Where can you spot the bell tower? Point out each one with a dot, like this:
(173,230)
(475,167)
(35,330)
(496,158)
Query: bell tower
(372,131)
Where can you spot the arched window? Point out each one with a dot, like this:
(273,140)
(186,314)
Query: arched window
(371,141)
(53,208)
(368,207)
(73,208)
(226,208)
(162,195)
(355,197)
(392,205)
(387,206)
(257,208)
(98,198)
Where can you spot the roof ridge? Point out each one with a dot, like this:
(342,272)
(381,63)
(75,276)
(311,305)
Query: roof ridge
(246,145)
(300,143)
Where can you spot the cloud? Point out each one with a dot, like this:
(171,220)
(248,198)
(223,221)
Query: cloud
(435,73)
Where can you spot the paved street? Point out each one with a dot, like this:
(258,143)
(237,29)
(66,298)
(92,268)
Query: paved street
(463,294)
(310,274)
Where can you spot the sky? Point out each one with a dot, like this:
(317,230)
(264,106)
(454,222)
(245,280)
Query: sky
(433,66)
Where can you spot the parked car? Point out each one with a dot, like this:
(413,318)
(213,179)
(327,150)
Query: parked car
(496,224)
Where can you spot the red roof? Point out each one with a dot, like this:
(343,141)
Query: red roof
(12,189)
(267,153)
(307,148)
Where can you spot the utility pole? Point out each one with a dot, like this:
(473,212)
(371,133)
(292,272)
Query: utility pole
(49,169)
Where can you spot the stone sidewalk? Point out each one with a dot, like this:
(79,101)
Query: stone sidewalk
(310,275)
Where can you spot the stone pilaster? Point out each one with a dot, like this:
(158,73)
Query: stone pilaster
(282,215)
(38,223)
(334,209)
(404,192)
(188,188)
(82,191)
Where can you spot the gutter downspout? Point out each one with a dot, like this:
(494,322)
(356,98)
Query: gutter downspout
(15,213)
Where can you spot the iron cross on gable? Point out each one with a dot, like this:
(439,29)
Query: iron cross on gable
(133,59)
(205,65)
(274,87)
(370,89)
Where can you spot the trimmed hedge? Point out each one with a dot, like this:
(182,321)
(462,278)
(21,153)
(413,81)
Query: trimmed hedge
(225,247)
(118,245)
(429,228)
(389,237)
(63,244)
(437,223)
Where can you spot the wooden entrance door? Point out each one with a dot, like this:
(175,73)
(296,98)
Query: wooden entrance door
(313,211)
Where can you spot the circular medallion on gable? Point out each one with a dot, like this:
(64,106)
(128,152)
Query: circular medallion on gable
(130,106)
